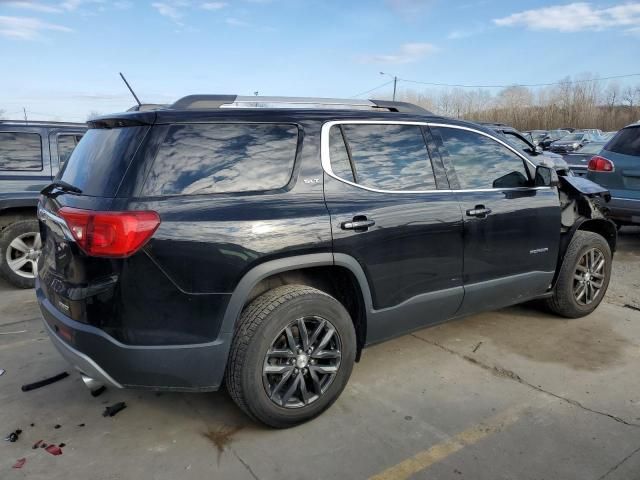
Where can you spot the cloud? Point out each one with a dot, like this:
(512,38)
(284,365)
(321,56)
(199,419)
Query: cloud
(236,22)
(170,10)
(34,6)
(27,28)
(575,17)
(465,33)
(408,53)
(213,5)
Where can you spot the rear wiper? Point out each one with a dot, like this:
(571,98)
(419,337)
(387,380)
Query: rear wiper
(60,185)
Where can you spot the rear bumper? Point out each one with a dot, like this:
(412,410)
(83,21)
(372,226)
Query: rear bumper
(91,351)
(624,210)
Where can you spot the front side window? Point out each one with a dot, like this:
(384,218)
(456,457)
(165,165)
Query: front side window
(479,161)
(20,151)
(220,158)
(385,157)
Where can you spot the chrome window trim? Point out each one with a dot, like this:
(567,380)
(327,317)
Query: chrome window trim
(326,160)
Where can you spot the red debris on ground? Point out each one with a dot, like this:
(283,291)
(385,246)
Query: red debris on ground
(20,463)
(54,450)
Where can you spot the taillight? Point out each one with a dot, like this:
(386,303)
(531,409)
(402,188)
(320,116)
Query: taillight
(110,234)
(600,164)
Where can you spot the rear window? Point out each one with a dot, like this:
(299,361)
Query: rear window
(626,142)
(100,160)
(20,151)
(220,158)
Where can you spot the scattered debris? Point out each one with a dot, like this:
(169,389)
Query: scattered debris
(56,426)
(98,391)
(13,333)
(477,347)
(45,382)
(81,424)
(632,307)
(20,463)
(43,445)
(1,371)
(61,445)
(37,444)
(408,418)
(54,450)
(13,436)
(33,424)
(114,409)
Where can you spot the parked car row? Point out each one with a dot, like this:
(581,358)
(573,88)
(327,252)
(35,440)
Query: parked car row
(31,153)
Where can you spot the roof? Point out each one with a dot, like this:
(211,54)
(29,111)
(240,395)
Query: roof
(42,123)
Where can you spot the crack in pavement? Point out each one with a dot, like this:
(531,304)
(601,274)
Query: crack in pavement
(511,375)
(246,465)
(615,467)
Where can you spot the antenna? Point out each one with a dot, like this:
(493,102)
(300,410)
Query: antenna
(130,89)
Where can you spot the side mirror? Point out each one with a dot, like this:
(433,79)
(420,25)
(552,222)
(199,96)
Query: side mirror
(546,177)
(539,149)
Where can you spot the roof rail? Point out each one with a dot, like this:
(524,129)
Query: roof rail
(40,123)
(207,102)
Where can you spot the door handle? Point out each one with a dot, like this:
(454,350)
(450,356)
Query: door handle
(480,211)
(360,223)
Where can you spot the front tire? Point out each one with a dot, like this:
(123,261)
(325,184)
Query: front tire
(292,355)
(20,247)
(584,276)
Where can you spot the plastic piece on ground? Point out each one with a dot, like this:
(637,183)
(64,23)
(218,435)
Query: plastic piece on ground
(45,382)
(54,450)
(114,409)
(20,463)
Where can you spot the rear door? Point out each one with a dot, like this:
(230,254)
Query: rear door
(511,229)
(391,212)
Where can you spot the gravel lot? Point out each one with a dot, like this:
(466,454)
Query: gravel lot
(513,394)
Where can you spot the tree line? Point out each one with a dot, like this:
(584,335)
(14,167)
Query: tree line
(582,103)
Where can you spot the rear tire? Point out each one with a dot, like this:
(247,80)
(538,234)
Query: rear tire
(270,339)
(584,276)
(19,248)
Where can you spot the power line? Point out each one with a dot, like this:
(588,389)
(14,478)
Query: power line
(517,84)
(374,88)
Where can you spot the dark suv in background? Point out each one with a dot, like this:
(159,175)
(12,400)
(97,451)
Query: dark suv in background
(264,242)
(30,155)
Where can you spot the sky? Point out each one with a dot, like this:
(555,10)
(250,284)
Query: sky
(60,59)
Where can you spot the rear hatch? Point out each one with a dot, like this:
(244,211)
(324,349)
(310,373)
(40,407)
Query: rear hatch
(622,177)
(83,249)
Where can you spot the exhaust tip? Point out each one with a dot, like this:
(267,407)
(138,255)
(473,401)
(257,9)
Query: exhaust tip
(91,383)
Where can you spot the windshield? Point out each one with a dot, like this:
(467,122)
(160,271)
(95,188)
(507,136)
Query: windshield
(574,137)
(591,148)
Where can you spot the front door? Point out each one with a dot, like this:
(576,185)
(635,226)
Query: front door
(387,213)
(511,228)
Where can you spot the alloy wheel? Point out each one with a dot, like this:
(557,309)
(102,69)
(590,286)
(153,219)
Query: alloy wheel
(22,254)
(589,276)
(302,362)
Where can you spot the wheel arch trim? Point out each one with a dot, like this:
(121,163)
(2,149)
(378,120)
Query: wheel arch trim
(272,267)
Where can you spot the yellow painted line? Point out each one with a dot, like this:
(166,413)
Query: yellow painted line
(426,458)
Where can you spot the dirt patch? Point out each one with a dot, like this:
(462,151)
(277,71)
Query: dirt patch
(222,437)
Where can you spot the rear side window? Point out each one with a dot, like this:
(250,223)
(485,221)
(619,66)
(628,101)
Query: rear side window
(99,162)
(626,142)
(66,144)
(20,151)
(385,157)
(221,158)
(479,161)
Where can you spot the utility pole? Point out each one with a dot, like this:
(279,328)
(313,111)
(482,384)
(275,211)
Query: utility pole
(25,115)
(395,83)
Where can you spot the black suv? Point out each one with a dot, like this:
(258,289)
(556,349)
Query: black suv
(264,242)
(30,156)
